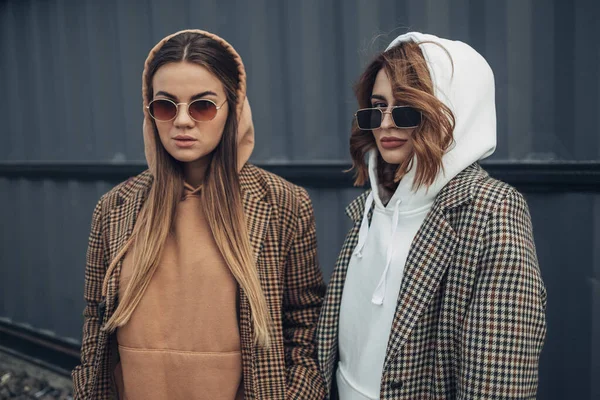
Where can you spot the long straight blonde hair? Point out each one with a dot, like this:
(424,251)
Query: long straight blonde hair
(221,196)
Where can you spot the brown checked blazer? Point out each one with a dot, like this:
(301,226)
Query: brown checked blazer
(282,233)
(470,319)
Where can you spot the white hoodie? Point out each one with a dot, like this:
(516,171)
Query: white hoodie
(376,268)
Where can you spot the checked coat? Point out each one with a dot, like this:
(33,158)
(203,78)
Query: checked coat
(470,317)
(281,226)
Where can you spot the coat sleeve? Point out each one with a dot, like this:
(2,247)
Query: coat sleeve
(94,275)
(302,300)
(505,326)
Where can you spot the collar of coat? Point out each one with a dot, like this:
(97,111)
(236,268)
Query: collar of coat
(457,192)
(130,196)
(139,186)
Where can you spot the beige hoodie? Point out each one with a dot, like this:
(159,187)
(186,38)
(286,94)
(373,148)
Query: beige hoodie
(183,341)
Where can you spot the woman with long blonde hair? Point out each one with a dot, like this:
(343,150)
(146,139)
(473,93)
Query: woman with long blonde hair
(202,279)
(437,292)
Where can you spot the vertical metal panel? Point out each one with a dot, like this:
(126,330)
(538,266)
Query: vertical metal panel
(268,83)
(595,314)
(312,114)
(73,130)
(544,83)
(131,47)
(9,84)
(104,77)
(565,237)
(586,85)
(495,39)
(519,123)
(42,253)
(332,223)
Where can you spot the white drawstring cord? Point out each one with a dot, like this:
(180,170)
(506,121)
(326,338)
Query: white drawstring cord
(379,293)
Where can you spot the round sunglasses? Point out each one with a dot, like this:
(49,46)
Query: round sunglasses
(201,110)
(404,117)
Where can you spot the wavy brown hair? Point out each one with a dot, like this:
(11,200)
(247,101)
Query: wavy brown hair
(412,85)
(220,196)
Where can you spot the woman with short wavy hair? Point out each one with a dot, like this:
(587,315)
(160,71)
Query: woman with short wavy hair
(437,292)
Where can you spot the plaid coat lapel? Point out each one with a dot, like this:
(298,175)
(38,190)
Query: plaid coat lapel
(430,254)
(257,212)
(124,209)
(121,222)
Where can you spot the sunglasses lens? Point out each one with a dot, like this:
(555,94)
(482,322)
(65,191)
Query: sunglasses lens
(406,117)
(163,110)
(368,118)
(202,110)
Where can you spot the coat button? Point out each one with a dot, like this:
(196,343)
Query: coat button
(396,384)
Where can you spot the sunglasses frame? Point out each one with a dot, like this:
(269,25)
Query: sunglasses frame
(389,111)
(188,109)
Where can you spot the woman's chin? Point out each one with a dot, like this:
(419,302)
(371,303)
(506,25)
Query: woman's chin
(392,156)
(186,156)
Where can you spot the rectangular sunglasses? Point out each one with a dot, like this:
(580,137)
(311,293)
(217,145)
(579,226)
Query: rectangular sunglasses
(403,116)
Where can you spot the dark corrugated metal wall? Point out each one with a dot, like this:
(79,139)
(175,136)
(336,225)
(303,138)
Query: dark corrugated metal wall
(72,70)
(70,78)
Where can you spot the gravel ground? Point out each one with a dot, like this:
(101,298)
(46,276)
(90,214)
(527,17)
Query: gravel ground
(22,380)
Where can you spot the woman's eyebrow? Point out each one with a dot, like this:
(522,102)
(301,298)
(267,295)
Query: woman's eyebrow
(205,93)
(378,97)
(169,95)
(194,97)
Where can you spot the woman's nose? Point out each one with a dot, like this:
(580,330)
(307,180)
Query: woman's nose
(183,118)
(387,121)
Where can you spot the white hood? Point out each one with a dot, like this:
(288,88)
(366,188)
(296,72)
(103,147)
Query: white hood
(469,92)
(464,83)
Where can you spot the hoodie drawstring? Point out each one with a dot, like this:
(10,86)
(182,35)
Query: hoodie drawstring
(379,293)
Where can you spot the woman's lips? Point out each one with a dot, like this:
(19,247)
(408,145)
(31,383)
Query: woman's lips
(184,141)
(392,142)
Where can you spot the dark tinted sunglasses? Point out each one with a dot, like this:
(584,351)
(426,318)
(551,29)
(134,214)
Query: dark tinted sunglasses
(403,117)
(200,110)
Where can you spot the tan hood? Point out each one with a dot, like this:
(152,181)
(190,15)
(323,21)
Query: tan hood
(245,124)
